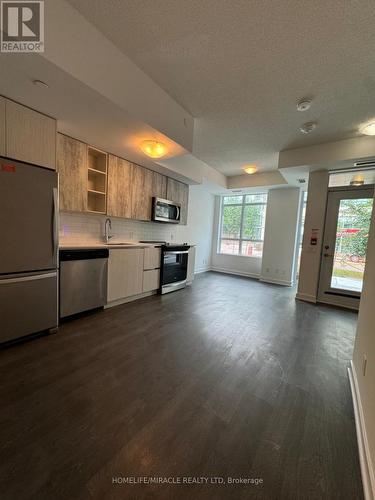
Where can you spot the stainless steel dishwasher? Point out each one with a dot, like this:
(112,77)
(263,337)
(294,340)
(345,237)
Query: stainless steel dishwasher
(83,280)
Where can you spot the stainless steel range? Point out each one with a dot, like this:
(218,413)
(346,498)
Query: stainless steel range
(173,267)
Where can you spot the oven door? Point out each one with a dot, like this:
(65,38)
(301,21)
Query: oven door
(174,270)
(166,211)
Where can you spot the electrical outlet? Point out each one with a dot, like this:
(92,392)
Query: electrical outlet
(364,365)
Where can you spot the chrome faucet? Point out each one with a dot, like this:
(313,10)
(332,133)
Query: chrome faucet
(107,227)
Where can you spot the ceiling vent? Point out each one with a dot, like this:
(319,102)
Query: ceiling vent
(365,163)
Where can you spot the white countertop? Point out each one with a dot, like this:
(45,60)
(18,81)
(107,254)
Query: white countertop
(122,244)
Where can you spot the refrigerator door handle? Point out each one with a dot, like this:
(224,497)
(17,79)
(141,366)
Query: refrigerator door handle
(8,281)
(55,224)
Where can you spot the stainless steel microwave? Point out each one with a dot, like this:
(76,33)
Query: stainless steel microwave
(166,211)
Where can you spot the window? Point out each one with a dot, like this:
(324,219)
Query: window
(242,224)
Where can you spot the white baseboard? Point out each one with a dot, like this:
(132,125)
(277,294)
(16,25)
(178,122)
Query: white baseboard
(276,282)
(202,270)
(306,297)
(367,470)
(232,271)
(129,299)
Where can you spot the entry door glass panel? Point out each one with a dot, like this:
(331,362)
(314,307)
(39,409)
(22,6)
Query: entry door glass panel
(353,225)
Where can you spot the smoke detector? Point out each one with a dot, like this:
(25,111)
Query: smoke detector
(304,104)
(308,127)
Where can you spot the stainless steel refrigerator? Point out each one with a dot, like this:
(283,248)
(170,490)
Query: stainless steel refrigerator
(28,249)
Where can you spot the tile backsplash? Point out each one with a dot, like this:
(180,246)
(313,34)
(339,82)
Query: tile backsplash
(89,228)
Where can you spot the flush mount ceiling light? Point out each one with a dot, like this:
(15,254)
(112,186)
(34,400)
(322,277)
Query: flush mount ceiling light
(358,180)
(368,129)
(154,149)
(39,83)
(304,104)
(250,169)
(308,127)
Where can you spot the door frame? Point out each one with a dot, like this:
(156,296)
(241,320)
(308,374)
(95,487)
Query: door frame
(330,295)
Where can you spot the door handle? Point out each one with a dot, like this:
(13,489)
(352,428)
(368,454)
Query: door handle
(328,255)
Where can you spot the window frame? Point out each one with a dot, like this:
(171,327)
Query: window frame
(240,239)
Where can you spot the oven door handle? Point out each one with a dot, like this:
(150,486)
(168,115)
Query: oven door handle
(176,252)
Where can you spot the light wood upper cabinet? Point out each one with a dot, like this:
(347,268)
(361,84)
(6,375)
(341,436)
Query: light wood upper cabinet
(141,186)
(2,126)
(72,168)
(30,136)
(119,197)
(178,191)
(159,185)
(125,273)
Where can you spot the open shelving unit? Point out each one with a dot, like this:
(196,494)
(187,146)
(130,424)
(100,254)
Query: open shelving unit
(97,181)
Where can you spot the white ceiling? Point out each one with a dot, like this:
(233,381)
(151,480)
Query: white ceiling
(240,66)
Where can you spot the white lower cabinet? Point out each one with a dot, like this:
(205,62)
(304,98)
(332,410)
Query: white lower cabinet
(152,258)
(125,273)
(151,280)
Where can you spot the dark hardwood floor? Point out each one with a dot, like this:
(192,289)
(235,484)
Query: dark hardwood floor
(228,378)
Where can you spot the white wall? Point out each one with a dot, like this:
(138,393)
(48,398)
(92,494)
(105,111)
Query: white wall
(329,153)
(365,346)
(199,229)
(315,217)
(78,228)
(280,236)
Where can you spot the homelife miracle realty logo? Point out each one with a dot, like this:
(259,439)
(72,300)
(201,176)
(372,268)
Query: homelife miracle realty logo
(22,26)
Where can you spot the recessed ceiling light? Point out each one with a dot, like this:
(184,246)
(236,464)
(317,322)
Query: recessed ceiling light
(308,127)
(368,129)
(41,84)
(304,104)
(154,149)
(250,169)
